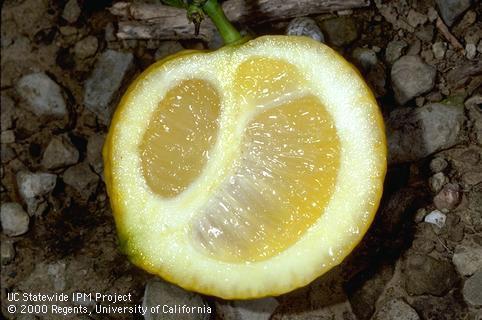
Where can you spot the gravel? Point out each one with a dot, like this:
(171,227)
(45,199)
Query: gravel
(365,58)
(86,47)
(14,219)
(411,77)
(448,198)
(82,179)
(450,10)
(437,181)
(467,259)
(32,187)
(439,49)
(394,50)
(162,293)
(436,218)
(472,290)
(94,152)
(102,86)
(438,164)
(414,134)
(427,275)
(60,153)
(7,252)
(396,309)
(167,48)
(258,309)
(71,11)
(304,26)
(340,31)
(41,95)
(7,113)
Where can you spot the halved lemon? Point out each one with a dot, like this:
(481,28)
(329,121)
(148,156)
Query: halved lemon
(248,171)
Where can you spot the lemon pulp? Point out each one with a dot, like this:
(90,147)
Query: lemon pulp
(284,175)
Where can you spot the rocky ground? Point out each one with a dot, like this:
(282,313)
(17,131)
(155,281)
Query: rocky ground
(63,70)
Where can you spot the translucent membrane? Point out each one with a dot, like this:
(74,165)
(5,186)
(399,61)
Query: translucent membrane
(285,176)
(181,132)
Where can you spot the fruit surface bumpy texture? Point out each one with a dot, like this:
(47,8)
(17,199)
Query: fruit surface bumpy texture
(248,171)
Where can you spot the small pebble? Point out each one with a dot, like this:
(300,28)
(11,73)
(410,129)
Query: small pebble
(365,58)
(420,215)
(436,218)
(71,11)
(437,181)
(470,51)
(439,49)
(7,252)
(472,289)
(415,18)
(438,165)
(448,198)
(7,136)
(14,219)
(304,26)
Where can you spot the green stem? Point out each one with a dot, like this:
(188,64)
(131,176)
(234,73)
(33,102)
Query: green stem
(226,29)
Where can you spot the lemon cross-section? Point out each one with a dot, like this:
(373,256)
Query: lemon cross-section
(248,171)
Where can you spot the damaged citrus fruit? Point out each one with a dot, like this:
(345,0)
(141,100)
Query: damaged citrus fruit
(247,171)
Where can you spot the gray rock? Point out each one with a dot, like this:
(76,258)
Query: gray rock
(363,298)
(450,10)
(394,50)
(437,181)
(94,152)
(415,18)
(439,49)
(414,48)
(41,95)
(71,11)
(438,165)
(365,58)
(425,33)
(426,275)
(14,219)
(449,307)
(414,134)
(104,82)
(82,179)
(161,293)
(304,26)
(60,153)
(258,309)
(33,187)
(448,198)
(396,309)
(411,77)
(167,48)
(472,290)
(7,112)
(7,136)
(436,218)
(470,51)
(467,260)
(334,311)
(340,31)
(86,47)
(7,252)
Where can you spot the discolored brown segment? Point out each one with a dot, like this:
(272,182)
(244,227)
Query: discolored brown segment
(180,135)
(278,188)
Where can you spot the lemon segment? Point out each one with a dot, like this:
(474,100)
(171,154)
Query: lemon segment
(179,137)
(286,152)
(277,188)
